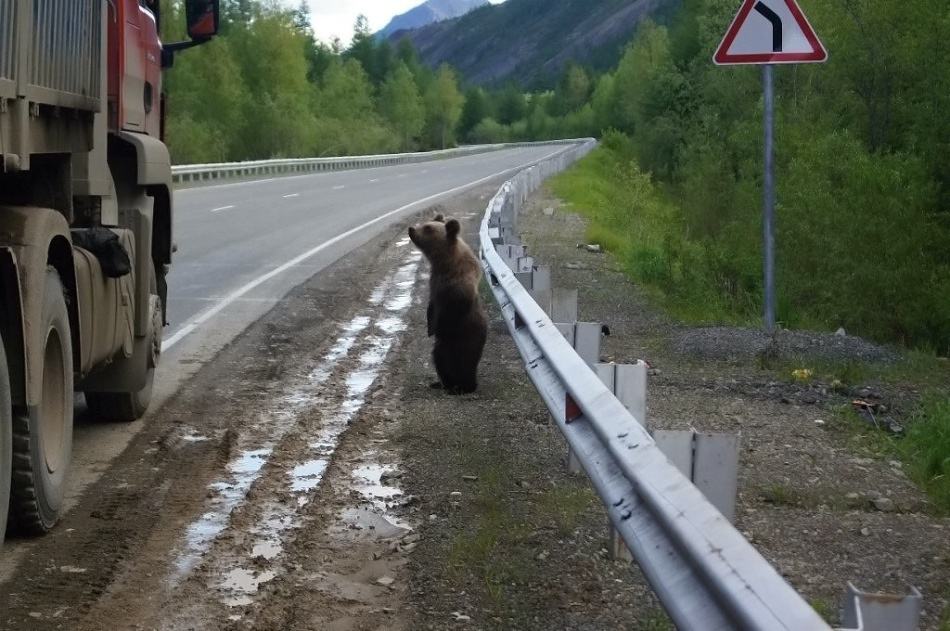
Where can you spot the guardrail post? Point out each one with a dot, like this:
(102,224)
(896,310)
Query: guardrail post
(628,383)
(559,304)
(585,338)
(710,461)
(881,612)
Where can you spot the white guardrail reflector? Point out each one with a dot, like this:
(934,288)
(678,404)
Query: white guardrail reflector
(706,574)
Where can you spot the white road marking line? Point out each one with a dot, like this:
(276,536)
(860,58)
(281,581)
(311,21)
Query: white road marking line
(291,195)
(217,210)
(202,187)
(260,280)
(339,188)
(374,181)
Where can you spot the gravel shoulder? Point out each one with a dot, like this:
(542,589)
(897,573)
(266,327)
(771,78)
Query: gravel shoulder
(810,484)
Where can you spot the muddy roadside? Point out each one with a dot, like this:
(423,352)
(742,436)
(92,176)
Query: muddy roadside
(263,495)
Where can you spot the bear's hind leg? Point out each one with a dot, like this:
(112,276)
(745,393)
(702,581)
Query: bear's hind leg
(445,367)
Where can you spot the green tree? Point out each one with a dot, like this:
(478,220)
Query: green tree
(574,89)
(272,55)
(475,110)
(401,104)
(512,105)
(209,101)
(443,103)
(363,46)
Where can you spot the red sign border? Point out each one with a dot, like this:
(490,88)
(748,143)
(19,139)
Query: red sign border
(819,53)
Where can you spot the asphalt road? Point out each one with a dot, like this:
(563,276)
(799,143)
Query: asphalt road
(250,242)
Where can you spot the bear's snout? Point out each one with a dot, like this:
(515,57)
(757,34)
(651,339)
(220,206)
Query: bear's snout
(412,234)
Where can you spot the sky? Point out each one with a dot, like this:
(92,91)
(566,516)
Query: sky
(335,18)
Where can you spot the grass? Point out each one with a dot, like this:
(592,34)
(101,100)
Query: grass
(693,243)
(826,610)
(657,620)
(926,449)
(919,369)
(863,439)
(630,218)
(781,495)
(567,505)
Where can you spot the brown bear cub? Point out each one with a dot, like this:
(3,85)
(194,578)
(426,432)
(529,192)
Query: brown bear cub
(455,314)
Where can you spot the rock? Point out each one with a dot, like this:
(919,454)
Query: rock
(470,478)
(893,426)
(455,494)
(460,617)
(595,248)
(385,581)
(896,464)
(544,555)
(548,211)
(820,423)
(433,517)
(865,532)
(574,266)
(841,332)
(853,496)
(883,504)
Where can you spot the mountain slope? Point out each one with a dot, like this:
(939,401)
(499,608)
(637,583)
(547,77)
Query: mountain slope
(430,12)
(530,41)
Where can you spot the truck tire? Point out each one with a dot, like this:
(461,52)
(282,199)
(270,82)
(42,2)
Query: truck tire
(43,438)
(6,440)
(131,406)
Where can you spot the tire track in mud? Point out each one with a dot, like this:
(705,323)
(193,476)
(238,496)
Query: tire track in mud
(108,564)
(238,545)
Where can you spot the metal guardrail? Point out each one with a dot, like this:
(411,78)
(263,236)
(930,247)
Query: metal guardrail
(705,573)
(228,170)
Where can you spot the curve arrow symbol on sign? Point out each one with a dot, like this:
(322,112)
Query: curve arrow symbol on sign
(773,17)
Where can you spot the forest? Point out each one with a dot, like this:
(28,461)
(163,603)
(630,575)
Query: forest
(266,88)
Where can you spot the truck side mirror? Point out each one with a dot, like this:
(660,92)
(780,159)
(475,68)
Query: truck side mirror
(202,16)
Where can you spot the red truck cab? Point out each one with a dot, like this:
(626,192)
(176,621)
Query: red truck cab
(135,68)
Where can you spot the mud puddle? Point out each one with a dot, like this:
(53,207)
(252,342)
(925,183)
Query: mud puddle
(238,545)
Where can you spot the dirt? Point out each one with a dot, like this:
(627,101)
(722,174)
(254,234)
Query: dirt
(265,493)
(807,480)
(309,478)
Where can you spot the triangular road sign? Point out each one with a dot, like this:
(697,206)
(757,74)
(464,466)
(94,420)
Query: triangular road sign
(770,32)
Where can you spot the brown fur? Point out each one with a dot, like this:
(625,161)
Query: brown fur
(456,317)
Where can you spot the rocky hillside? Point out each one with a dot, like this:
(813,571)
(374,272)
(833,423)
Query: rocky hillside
(430,12)
(530,41)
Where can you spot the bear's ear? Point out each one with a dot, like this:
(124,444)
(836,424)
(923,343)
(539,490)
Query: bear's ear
(452,228)
(439,218)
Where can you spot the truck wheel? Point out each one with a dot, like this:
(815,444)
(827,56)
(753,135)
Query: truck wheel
(6,441)
(43,438)
(131,406)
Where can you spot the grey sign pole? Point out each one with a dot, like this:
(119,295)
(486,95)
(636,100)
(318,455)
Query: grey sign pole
(768,223)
